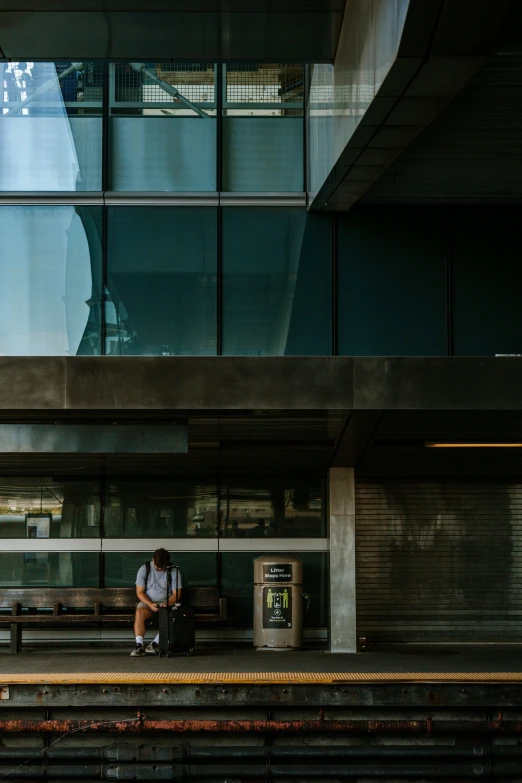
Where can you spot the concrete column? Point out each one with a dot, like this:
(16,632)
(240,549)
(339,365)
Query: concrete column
(341,503)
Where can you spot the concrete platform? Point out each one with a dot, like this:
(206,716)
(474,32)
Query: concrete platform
(245,665)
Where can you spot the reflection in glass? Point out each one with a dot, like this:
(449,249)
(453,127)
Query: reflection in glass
(198,569)
(42,508)
(161,281)
(237,584)
(321,155)
(271,510)
(276,282)
(263,127)
(49,569)
(168,509)
(163,126)
(340,94)
(50,126)
(50,280)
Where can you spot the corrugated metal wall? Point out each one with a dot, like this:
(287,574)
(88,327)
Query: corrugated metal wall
(439,561)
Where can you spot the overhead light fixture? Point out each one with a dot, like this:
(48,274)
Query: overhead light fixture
(431,445)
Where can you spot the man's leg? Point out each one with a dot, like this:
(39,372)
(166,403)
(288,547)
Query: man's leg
(143,613)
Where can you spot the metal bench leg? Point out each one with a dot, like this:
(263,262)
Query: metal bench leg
(16,637)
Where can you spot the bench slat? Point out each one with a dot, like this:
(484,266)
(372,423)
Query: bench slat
(68,596)
(38,619)
(201,596)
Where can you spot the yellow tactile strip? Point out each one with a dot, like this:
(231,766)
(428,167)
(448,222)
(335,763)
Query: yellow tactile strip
(252,678)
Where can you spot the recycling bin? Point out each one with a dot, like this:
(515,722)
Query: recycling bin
(278,602)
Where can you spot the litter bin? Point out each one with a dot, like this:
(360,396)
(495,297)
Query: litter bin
(278,602)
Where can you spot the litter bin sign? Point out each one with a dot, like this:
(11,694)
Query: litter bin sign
(278,602)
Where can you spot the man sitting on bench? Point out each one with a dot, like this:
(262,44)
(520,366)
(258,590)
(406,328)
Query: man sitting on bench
(151,589)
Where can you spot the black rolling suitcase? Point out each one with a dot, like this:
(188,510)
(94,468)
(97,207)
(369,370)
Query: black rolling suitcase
(177,628)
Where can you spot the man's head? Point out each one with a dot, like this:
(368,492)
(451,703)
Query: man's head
(161,558)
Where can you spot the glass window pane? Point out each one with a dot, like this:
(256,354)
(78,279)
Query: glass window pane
(486,280)
(50,280)
(392,282)
(237,584)
(167,509)
(263,127)
(49,569)
(277,282)
(161,281)
(51,126)
(33,508)
(263,154)
(163,127)
(271,510)
(198,569)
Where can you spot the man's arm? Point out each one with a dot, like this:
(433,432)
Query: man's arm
(142,596)
(175,598)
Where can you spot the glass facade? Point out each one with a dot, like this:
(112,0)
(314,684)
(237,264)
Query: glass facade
(151,127)
(167,508)
(276,282)
(49,569)
(263,127)
(50,280)
(51,126)
(114,525)
(156,213)
(163,119)
(486,278)
(161,281)
(392,283)
(272,509)
(253,281)
(31,508)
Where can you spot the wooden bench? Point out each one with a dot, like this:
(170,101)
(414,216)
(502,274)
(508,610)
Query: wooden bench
(110,605)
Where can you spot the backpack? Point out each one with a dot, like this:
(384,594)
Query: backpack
(147,574)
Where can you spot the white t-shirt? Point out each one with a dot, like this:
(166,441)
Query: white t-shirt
(156,588)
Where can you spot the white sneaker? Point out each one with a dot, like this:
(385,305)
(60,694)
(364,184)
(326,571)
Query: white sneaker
(152,649)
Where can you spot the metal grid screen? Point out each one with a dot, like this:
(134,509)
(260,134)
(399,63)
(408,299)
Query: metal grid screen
(264,84)
(195,81)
